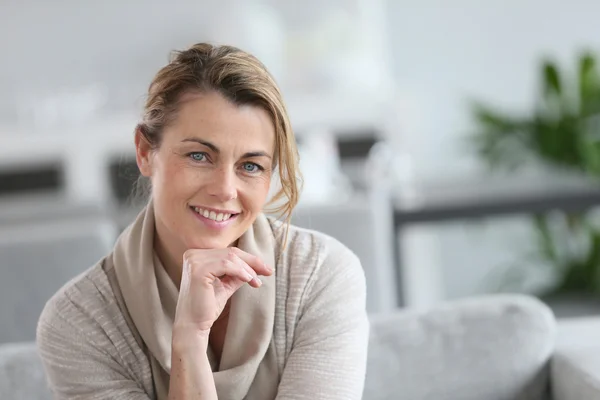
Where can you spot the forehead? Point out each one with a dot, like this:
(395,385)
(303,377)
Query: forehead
(212,116)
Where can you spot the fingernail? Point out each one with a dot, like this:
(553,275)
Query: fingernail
(250,277)
(258,282)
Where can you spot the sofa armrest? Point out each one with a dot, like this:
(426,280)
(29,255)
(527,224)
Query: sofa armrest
(575,373)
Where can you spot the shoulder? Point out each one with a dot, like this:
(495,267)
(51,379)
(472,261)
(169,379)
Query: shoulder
(85,342)
(85,314)
(315,260)
(321,293)
(85,298)
(307,245)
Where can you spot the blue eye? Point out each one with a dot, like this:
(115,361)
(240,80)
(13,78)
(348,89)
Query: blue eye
(251,167)
(198,156)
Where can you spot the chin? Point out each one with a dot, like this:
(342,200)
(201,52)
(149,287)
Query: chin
(209,243)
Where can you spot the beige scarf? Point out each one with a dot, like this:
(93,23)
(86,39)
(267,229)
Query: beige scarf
(248,367)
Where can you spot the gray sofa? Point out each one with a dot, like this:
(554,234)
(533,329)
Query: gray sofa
(37,257)
(489,348)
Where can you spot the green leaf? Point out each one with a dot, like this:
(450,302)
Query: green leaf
(544,238)
(589,90)
(492,120)
(552,84)
(590,154)
(556,142)
(499,140)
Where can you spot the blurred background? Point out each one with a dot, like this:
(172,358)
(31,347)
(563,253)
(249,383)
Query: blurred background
(452,147)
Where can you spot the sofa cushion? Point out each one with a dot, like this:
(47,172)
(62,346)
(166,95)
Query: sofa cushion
(21,373)
(493,348)
(575,371)
(576,374)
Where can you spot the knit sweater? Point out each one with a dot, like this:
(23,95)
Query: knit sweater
(91,350)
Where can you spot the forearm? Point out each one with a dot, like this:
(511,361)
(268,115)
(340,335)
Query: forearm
(191,374)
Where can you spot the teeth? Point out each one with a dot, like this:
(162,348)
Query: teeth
(212,215)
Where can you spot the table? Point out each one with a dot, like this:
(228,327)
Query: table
(489,198)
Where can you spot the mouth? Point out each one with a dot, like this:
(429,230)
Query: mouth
(214,215)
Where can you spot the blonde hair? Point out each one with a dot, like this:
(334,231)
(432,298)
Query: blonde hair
(242,79)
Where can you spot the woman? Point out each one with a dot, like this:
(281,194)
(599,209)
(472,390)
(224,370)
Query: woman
(203,296)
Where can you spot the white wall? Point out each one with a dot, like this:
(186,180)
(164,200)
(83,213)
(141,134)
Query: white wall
(61,45)
(47,46)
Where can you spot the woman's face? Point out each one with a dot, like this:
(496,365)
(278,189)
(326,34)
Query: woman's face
(211,174)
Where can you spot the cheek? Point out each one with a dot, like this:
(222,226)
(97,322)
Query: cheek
(170,178)
(257,192)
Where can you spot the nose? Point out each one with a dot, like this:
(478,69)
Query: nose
(222,185)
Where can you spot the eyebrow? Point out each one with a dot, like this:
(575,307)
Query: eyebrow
(216,149)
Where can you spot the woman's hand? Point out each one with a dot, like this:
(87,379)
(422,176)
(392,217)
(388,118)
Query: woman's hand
(209,278)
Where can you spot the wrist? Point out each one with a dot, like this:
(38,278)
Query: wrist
(191,374)
(188,338)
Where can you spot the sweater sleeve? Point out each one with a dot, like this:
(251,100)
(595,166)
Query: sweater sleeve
(81,359)
(329,352)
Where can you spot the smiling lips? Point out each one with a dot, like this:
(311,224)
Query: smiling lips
(212,215)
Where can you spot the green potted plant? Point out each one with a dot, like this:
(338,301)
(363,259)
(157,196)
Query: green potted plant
(562,131)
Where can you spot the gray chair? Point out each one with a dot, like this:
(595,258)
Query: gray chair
(489,348)
(30,209)
(21,374)
(36,259)
(365,225)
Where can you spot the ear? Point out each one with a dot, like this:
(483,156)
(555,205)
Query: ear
(143,153)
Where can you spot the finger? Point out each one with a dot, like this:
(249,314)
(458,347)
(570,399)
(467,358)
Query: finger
(256,282)
(232,283)
(232,266)
(231,269)
(253,261)
(239,263)
(233,257)
(237,283)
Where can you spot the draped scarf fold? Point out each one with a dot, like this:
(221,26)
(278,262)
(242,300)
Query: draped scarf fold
(248,366)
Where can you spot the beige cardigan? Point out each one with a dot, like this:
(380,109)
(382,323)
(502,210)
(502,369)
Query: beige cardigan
(90,348)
